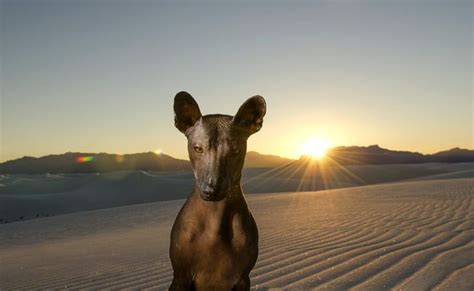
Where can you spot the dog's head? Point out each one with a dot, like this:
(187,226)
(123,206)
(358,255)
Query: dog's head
(217,144)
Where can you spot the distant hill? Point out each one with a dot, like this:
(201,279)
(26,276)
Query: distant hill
(92,162)
(455,155)
(372,155)
(376,155)
(102,162)
(257,160)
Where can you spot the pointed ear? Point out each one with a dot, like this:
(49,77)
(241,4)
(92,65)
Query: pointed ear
(186,111)
(250,114)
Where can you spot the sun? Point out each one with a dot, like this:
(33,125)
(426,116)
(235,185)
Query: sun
(315,147)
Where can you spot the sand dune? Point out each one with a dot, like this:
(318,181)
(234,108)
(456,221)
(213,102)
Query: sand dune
(408,236)
(25,197)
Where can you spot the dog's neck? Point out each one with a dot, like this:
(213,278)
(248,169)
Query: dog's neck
(217,216)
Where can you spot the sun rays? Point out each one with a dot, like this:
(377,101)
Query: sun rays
(316,169)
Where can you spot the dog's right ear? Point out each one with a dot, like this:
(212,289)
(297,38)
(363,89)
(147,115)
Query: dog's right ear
(186,111)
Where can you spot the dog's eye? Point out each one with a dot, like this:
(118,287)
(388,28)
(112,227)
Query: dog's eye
(198,149)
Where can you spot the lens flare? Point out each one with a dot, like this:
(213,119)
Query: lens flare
(119,158)
(84,159)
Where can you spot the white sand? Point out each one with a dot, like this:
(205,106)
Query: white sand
(24,197)
(410,236)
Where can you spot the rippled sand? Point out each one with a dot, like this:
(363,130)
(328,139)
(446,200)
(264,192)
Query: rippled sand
(413,235)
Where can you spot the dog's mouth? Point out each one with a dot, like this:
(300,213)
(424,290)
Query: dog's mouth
(213,195)
(213,192)
(218,192)
(211,198)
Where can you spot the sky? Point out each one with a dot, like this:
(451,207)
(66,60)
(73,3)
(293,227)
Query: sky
(100,76)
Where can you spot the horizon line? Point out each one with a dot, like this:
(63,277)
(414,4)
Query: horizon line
(267,154)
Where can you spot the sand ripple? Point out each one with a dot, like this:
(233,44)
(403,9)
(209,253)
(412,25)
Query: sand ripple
(405,236)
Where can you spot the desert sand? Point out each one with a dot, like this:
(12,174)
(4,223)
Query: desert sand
(24,197)
(408,235)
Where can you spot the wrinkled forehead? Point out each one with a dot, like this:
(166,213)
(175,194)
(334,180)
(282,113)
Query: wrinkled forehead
(213,128)
(217,122)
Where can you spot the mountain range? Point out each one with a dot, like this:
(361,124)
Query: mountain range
(75,162)
(376,155)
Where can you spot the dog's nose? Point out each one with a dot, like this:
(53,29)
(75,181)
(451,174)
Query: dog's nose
(208,190)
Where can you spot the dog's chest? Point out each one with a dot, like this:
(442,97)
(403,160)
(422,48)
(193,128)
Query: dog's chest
(219,252)
(214,243)
(211,236)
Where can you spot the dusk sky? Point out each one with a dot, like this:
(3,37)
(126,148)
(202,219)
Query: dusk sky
(100,76)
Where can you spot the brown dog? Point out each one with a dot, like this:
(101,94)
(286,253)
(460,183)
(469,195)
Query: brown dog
(214,240)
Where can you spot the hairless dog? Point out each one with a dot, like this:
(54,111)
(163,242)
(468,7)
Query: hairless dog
(214,239)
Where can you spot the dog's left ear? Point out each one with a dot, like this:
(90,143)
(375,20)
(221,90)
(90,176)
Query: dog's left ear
(250,115)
